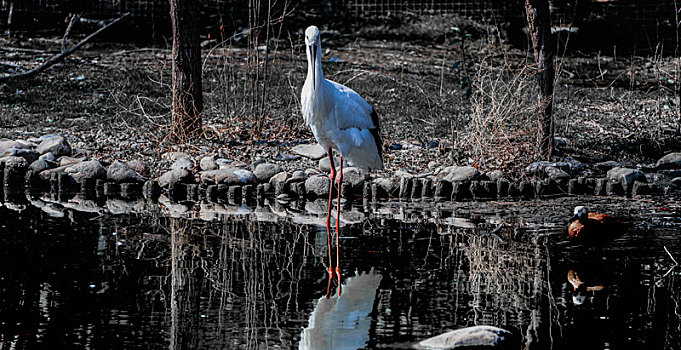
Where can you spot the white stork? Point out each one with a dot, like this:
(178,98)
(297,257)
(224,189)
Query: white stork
(340,120)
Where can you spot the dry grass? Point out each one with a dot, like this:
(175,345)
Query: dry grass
(502,129)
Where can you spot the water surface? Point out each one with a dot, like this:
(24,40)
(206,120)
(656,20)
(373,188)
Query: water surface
(252,278)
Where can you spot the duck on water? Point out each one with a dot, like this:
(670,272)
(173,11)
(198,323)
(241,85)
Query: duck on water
(595,228)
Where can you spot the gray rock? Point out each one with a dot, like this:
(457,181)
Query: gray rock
(56,145)
(264,171)
(539,168)
(670,174)
(574,166)
(600,187)
(48,157)
(496,175)
(416,188)
(657,178)
(285,157)
(297,176)
(6,144)
(325,165)
(614,188)
(228,176)
(278,178)
(669,161)
(40,165)
(46,174)
(118,206)
(79,152)
(174,176)
(173,156)
(640,189)
(121,173)
(406,184)
(91,169)
(257,162)
(355,178)
(462,174)
(556,174)
(318,185)
(245,176)
(65,160)
(503,188)
(14,162)
(223,163)
(390,187)
(183,163)
(443,189)
(626,177)
(607,165)
(138,166)
(403,173)
(208,163)
(312,171)
(20,144)
(559,142)
(476,336)
(313,151)
(26,153)
(676,181)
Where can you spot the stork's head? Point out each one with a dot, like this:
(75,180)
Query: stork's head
(312,36)
(312,48)
(579,213)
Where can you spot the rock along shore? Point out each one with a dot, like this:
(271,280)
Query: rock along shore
(49,163)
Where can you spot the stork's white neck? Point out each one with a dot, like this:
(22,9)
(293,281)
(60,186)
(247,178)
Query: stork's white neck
(315,76)
(314,88)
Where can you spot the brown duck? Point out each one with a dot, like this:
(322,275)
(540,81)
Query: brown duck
(594,227)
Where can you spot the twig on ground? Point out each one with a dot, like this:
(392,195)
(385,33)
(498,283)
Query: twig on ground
(60,57)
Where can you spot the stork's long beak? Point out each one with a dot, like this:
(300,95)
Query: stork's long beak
(313,51)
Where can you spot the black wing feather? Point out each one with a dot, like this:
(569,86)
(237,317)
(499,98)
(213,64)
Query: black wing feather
(376,133)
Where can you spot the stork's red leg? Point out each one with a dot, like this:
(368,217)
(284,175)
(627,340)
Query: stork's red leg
(338,205)
(328,222)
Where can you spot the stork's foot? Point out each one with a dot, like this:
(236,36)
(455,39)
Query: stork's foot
(328,286)
(338,273)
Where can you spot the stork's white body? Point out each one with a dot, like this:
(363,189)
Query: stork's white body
(339,117)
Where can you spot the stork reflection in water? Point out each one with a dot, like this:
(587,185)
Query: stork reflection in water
(343,322)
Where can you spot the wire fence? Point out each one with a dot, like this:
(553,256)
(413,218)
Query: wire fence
(136,8)
(634,20)
(650,11)
(466,8)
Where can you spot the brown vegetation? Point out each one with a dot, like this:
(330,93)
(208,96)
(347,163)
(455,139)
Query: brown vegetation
(465,89)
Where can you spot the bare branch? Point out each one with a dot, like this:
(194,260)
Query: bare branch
(64,41)
(60,57)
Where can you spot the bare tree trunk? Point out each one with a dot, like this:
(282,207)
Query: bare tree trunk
(539,25)
(186,76)
(9,18)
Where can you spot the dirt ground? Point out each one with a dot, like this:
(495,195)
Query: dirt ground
(435,108)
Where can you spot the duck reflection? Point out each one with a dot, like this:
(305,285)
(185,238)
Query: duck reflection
(343,322)
(580,289)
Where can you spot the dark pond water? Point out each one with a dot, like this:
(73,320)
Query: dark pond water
(255,279)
